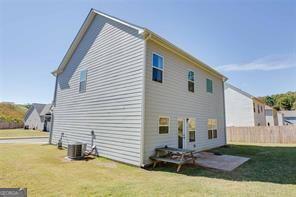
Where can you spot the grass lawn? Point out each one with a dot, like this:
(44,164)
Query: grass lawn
(4,133)
(44,171)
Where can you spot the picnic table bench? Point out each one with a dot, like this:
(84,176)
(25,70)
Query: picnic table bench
(173,155)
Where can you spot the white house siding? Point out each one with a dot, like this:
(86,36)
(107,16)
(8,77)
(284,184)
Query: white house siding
(259,118)
(172,98)
(113,54)
(34,121)
(239,108)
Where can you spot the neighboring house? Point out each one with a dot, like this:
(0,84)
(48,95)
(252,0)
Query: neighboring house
(46,116)
(136,91)
(289,117)
(271,116)
(280,118)
(242,109)
(38,117)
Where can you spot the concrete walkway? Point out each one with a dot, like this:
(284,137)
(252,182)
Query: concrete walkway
(219,162)
(34,140)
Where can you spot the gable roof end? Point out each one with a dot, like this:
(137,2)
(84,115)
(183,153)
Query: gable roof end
(81,33)
(45,110)
(228,85)
(141,30)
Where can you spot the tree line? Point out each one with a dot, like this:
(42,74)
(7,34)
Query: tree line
(286,101)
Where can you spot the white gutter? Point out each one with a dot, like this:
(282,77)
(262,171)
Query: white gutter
(168,45)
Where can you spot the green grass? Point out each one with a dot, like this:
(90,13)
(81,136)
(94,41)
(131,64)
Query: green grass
(10,133)
(44,171)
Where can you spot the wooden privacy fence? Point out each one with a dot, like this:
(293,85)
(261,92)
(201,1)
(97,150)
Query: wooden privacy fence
(11,125)
(261,134)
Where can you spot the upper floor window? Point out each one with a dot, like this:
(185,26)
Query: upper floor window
(82,81)
(191,81)
(209,86)
(258,108)
(261,108)
(163,125)
(254,107)
(157,68)
(212,128)
(191,129)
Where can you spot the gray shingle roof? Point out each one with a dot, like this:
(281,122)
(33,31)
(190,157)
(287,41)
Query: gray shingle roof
(45,109)
(39,107)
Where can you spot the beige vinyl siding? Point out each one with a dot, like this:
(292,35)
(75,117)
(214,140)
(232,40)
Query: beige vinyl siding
(238,108)
(172,99)
(275,117)
(113,55)
(259,118)
(280,117)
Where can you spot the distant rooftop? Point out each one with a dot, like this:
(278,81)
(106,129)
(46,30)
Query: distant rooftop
(228,85)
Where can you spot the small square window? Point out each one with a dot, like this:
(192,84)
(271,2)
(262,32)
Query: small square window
(163,129)
(163,125)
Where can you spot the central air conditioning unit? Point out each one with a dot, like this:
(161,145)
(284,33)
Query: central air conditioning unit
(76,150)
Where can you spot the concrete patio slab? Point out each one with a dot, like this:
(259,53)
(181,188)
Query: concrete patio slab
(219,162)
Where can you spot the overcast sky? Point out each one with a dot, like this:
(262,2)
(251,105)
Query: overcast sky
(252,42)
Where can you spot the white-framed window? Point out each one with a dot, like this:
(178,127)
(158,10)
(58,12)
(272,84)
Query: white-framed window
(157,67)
(209,85)
(190,79)
(82,81)
(163,125)
(191,129)
(212,128)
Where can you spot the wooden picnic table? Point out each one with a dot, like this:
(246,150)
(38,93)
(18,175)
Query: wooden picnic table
(173,155)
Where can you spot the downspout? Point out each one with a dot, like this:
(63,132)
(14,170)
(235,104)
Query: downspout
(224,113)
(53,107)
(146,37)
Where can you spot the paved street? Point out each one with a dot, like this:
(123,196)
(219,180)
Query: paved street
(24,141)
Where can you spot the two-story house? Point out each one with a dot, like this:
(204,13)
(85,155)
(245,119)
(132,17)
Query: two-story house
(136,91)
(38,117)
(243,109)
(271,116)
